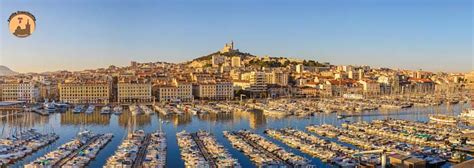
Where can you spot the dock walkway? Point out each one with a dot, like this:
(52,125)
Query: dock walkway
(260,148)
(203,150)
(376,114)
(142,152)
(74,154)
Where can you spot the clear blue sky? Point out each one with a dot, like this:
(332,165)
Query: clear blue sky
(433,35)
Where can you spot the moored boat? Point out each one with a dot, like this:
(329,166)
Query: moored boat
(78,109)
(105,110)
(443,119)
(90,109)
(118,109)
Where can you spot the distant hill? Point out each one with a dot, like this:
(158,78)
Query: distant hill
(5,71)
(228,54)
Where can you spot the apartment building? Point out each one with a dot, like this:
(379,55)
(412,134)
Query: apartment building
(19,91)
(81,92)
(176,91)
(276,78)
(213,90)
(256,80)
(134,92)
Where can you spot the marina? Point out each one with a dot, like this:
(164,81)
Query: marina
(25,143)
(201,149)
(260,158)
(65,152)
(327,151)
(271,149)
(156,151)
(127,153)
(334,139)
(84,155)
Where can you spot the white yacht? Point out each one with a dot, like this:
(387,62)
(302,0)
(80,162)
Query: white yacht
(90,109)
(105,110)
(443,119)
(49,107)
(146,110)
(78,109)
(467,114)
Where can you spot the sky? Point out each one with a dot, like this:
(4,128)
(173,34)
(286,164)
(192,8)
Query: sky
(432,35)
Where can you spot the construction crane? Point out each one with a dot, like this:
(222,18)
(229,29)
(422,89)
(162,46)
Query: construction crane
(382,152)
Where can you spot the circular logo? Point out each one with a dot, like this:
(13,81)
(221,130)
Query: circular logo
(22,24)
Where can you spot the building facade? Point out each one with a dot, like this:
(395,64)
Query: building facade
(177,92)
(19,91)
(134,92)
(85,92)
(214,91)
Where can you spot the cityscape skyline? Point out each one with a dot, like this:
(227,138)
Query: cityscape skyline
(433,36)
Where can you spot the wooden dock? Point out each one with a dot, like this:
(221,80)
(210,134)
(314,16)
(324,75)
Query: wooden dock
(374,114)
(467,149)
(74,154)
(260,148)
(203,150)
(41,112)
(142,152)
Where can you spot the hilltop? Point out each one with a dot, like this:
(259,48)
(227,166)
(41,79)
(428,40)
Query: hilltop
(227,54)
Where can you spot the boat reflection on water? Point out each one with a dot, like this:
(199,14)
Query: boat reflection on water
(71,118)
(177,120)
(26,119)
(140,119)
(256,118)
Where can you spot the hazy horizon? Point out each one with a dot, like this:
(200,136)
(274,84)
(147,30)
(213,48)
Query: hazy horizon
(87,34)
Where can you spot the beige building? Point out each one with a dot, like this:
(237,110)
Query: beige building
(299,68)
(214,91)
(85,92)
(257,81)
(276,78)
(49,91)
(217,60)
(236,61)
(470,85)
(370,87)
(19,91)
(128,92)
(205,90)
(177,91)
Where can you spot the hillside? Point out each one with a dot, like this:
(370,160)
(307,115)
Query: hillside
(228,54)
(5,71)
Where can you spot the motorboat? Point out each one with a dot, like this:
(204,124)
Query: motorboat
(146,110)
(105,110)
(467,114)
(118,109)
(90,109)
(443,119)
(78,109)
(49,107)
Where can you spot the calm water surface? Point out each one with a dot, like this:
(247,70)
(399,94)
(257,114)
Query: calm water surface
(67,124)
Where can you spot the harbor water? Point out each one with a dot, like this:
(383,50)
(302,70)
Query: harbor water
(68,124)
